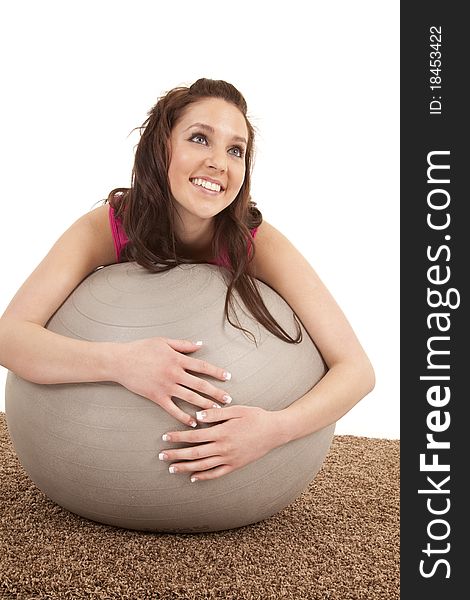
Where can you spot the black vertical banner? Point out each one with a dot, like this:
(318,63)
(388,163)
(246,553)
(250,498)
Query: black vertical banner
(434,257)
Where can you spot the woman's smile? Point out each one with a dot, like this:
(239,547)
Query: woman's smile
(206,186)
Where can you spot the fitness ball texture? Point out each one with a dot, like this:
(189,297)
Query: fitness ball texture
(93,447)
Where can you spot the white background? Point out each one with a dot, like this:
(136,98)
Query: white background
(322,85)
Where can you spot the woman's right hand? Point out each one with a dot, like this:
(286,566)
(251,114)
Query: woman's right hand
(158,369)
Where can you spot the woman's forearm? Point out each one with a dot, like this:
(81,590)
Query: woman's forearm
(331,398)
(41,356)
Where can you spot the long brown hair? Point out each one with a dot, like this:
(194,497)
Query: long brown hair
(147,215)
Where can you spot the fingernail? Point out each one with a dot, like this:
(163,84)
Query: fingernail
(172,469)
(227,376)
(166,437)
(193,479)
(193,423)
(216,405)
(199,343)
(201,415)
(162,456)
(227,399)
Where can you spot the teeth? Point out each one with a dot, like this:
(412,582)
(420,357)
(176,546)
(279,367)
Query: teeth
(215,187)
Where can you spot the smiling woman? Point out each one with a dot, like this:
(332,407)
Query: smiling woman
(196,133)
(189,202)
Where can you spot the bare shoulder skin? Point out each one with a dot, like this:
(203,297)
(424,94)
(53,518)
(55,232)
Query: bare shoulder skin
(84,246)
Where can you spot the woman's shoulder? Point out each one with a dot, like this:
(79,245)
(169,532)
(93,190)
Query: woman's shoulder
(274,254)
(99,221)
(120,238)
(265,232)
(100,218)
(93,234)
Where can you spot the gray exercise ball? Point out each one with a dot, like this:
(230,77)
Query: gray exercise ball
(93,447)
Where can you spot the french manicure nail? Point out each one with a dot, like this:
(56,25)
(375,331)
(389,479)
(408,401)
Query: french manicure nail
(216,405)
(166,437)
(193,479)
(193,423)
(201,415)
(172,469)
(227,399)
(199,343)
(162,456)
(227,376)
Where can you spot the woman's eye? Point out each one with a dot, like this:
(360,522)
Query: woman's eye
(199,136)
(239,151)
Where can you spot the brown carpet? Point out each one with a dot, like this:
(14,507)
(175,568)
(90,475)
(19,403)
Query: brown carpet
(338,541)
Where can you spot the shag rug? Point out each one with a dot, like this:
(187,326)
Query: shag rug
(338,541)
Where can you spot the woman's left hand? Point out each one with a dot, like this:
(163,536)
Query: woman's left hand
(243,434)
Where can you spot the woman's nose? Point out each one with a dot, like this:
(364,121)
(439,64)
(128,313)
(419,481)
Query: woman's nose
(217,159)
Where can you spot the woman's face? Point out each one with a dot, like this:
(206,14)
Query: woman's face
(207,165)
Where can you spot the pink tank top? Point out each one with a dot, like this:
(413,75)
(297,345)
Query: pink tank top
(120,239)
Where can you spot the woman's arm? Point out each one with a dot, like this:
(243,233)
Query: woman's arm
(350,374)
(30,350)
(156,368)
(247,433)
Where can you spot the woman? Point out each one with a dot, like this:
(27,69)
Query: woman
(190,202)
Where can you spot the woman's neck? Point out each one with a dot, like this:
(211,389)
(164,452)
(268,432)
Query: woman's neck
(196,240)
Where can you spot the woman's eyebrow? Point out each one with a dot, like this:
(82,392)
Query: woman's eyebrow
(210,129)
